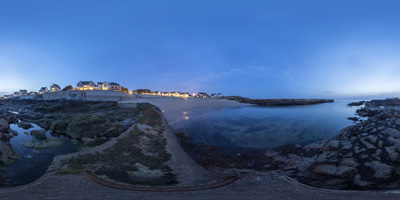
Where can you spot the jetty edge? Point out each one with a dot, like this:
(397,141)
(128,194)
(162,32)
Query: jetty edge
(278,102)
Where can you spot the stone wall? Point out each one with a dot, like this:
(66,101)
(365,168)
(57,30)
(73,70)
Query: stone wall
(95,95)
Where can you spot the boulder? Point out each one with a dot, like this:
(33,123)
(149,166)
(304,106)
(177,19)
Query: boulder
(4,126)
(59,126)
(88,125)
(366,144)
(395,142)
(25,125)
(271,153)
(381,170)
(392,153)
(392,132)
(349,162)
(372,138)
(115,130)
(332,170)
(332,145)
(7,154)
(39,133)
(357,181)
(89,141)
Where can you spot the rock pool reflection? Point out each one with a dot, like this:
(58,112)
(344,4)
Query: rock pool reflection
(267,127)
(33,163)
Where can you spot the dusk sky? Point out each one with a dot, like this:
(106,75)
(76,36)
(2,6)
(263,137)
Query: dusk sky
(252,48)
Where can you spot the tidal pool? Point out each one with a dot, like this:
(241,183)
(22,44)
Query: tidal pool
(33,163)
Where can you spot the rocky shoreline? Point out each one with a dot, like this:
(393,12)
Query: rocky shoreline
(124,145)
(7,154)
(364,156)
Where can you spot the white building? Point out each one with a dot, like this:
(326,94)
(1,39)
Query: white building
(55,88)
(43,90)
(86,85)
(22,92)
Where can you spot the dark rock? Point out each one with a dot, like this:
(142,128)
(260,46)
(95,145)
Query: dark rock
(59,126)
(372,139)
(39,133)
(353,118)
(114,131)
(25,125)
(7,154)
(392,132)
(89,141)
(358,182)
(4,126)
(87,125)
(366,144)
(332,170)
(332,145)
(359,103)
(349,162)
(381,170)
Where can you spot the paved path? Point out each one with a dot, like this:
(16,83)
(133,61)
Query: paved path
(252,186)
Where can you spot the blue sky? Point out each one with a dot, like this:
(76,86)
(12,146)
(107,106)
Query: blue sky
(253,48)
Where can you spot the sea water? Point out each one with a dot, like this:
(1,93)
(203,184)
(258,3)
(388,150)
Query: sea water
(260,127)
(33,163)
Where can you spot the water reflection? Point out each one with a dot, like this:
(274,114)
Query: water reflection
(267,127)
(33,163)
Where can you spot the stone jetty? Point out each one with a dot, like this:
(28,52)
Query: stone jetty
(283,102)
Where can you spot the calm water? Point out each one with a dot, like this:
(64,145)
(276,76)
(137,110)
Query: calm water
(33,163)
(267,127)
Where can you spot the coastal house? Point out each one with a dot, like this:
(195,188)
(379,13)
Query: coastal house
(202,95)
(55,88)
(16,94)
(68,88)
(175,94)
(185,95)
(155,93)
(164,93)
(216,95)
(103,85)
(143,91)
(43,90)
(114,86)
(22,92)
(85,85)
(32,93)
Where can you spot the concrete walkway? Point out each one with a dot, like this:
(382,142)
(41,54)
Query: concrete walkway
(256,185)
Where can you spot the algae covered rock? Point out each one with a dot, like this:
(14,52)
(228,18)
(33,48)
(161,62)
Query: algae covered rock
(59,126)
(44,144)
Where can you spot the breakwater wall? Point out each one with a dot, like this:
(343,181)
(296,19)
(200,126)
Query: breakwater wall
(283,102)
(95,95)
